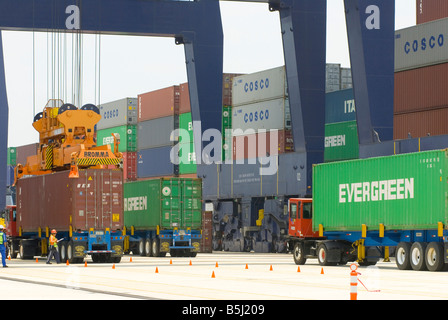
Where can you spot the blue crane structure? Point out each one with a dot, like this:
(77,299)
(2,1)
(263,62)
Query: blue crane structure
(197,25)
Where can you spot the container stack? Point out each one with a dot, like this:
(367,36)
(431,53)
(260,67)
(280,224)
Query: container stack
(158,117)
(120,117)
(260,114)
(337,78)
(421,67)
(430,10)
(341,131)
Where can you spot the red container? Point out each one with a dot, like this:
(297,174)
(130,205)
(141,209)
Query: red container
(227,83)
(247,147)
(207,232)
(159,103)
(94,200)
(419,124)
(429,10)
(25,151)
(130,166)
(421,89)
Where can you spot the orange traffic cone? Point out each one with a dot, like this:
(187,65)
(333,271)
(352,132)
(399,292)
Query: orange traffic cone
(85,264)
(216,264)
(113,266)
(37,259)
(213,274)
(322,271)
(171,261)
(298,269)
(130,259)
(190,263)
(270,269)
(67,263)
(247,267)
(9,258)
(157,270)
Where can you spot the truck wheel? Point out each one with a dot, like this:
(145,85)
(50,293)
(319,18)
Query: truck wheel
(148,248)
(322,255)
(63,252)
(299,254)
(155,248)
(402,254)
(417,256)
(13,250)
(434,256)
(141,248)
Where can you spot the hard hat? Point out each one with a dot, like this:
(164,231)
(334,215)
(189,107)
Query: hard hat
(2,227)
(53,231)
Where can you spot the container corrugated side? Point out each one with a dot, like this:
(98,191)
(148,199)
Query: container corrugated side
(266,115)
(340,106)
(421,45)
(94,200)
(155,162)
(165,203)
(158,103)
(155,133)
(421,89)
(118,113)
(23,152)
(260,144)
(429,10)
(128,138)
(402,192)
(260,86)
(341,141)
(421,124)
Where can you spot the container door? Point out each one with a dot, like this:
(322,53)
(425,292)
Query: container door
(306,221)
(88,195)
(294,210)
(104,183)
(171,203)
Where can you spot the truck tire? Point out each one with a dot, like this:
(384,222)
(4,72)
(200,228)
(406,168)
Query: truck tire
(62,248)
(434,256)
(141,247)
(299,254)
(402,256)
(417,256)
(148,247)
(322,256)
(155,248)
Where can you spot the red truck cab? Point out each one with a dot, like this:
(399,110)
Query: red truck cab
(301,218)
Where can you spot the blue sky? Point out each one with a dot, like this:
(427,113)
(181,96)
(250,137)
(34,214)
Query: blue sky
(252,42)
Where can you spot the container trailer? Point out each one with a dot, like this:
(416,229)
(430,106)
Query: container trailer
(87,213)
(163,215)
(362,210)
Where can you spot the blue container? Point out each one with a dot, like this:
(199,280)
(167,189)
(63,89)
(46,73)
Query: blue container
(155,162)
(9,175)
(340,106)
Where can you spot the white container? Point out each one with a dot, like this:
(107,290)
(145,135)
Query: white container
(261,115)
(260,86)
(422,45)
(118,113)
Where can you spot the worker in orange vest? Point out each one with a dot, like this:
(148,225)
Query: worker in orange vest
(53,247)
(3,243)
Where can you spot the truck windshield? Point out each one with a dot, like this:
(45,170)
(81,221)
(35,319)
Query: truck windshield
(307,210)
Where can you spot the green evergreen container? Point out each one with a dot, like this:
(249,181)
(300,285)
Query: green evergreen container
(402,192)
(128,138)
(341,141)
(187,158)
(186,123)
(166,203)
(11,159)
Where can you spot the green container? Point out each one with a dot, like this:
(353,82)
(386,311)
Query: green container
(166,203)
(128,138)
(187,158)
(341,141)
(402,192)
(226,117)
(186,123)
(226,136)
(12,156)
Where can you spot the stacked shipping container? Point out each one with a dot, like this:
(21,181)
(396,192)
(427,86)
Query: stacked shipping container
(261,122)
(421,66)
(430,10)
(121,117)
(341,131)
(337,78)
